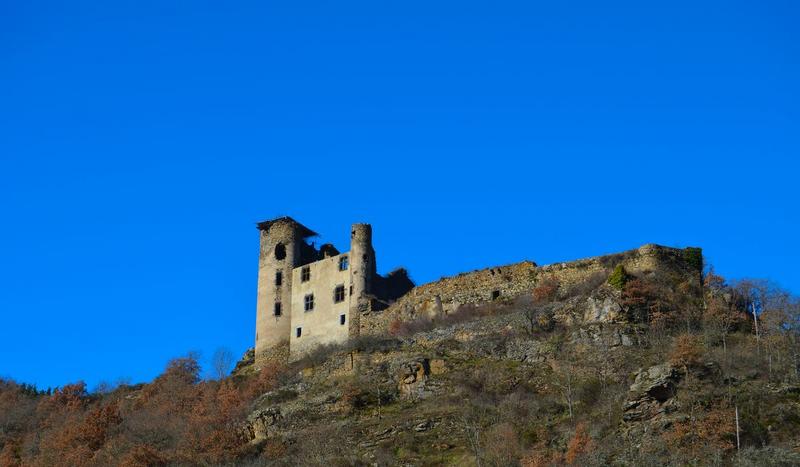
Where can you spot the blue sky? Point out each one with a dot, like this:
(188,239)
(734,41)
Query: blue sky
(141,141)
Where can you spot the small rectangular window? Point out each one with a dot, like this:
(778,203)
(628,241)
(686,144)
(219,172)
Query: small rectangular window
(299,332)
(338,294)
(309,302)
(279,278)
(344,263)
(305,274)
(341,320)
(277,311)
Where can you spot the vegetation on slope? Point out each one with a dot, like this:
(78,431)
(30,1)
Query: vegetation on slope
(656,372)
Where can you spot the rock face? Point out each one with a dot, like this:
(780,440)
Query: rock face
(524,350)
(602,309)
(650,392)
(412,378)
(261,422)
(245,363)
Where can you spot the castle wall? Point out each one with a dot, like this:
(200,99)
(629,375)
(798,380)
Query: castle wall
(322,325)
(509,282)
(372,302)
(448,293)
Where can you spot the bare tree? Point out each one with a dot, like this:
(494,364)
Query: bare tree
(774,319)
(720,317)
(566,377)
(222,362)
(538,315)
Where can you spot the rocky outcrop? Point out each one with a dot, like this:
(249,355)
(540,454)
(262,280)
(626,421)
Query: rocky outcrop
(245,364)
(602,308)
(261,423)
(525,350)
(605,336)
(650,392)
(412,378)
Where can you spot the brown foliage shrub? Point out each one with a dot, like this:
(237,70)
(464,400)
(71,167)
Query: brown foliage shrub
(644,304)
(71,397)
(687,351)
(546,291)
(579,444)
(715,430)
(502,444)
(9,455)
(274,449)
(265,380)
(541,456)
(143,455)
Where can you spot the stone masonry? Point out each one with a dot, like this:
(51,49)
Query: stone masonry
(310,296)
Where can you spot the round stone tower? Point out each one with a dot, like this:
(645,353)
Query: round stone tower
(362,273)
(279,254)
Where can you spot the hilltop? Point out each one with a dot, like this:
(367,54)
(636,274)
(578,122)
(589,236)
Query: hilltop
(618,364)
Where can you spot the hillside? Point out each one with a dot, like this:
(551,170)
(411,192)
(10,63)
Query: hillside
(621,367)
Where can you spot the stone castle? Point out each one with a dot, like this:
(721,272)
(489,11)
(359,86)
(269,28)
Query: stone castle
(309,296)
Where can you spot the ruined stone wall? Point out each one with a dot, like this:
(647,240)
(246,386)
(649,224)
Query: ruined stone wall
(505,283)
(448,293)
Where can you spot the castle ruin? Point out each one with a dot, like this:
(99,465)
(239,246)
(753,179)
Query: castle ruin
(309,296)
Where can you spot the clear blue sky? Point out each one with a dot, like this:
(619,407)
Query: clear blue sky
(140,141)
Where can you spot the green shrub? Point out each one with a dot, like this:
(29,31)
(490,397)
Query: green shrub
(618,278)
(693,257)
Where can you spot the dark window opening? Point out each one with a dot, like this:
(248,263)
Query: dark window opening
(305,274)
(280,251)
(338,294)
(299,332)
(344,263)
(341,320)
(351,290)
(495,294)
(309,302)
(277,311)
(365,257)
(278,278)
